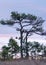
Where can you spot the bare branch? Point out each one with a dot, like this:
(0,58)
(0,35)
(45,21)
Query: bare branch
(26,25)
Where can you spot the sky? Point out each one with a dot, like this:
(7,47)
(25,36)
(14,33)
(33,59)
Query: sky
(35,7)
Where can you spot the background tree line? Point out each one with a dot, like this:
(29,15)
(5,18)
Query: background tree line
(12,49)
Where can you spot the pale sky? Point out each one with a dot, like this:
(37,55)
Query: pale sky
(35,7)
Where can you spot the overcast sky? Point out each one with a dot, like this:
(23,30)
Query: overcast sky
(35,7)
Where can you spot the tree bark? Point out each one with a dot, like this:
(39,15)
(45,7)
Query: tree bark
(27,55)
(21,44)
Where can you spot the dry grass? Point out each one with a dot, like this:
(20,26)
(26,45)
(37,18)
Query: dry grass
(23,62)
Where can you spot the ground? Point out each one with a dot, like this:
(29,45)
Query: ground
(23,62)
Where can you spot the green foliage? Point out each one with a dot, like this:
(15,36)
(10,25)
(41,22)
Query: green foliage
(3,22)
(13,45)
(15,15)
(31,17)
(5,51)
(36,46)
(13,48)
(45,50)
(10,22)
(18,16)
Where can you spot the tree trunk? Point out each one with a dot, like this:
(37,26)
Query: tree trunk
(27,55)
(21,44)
